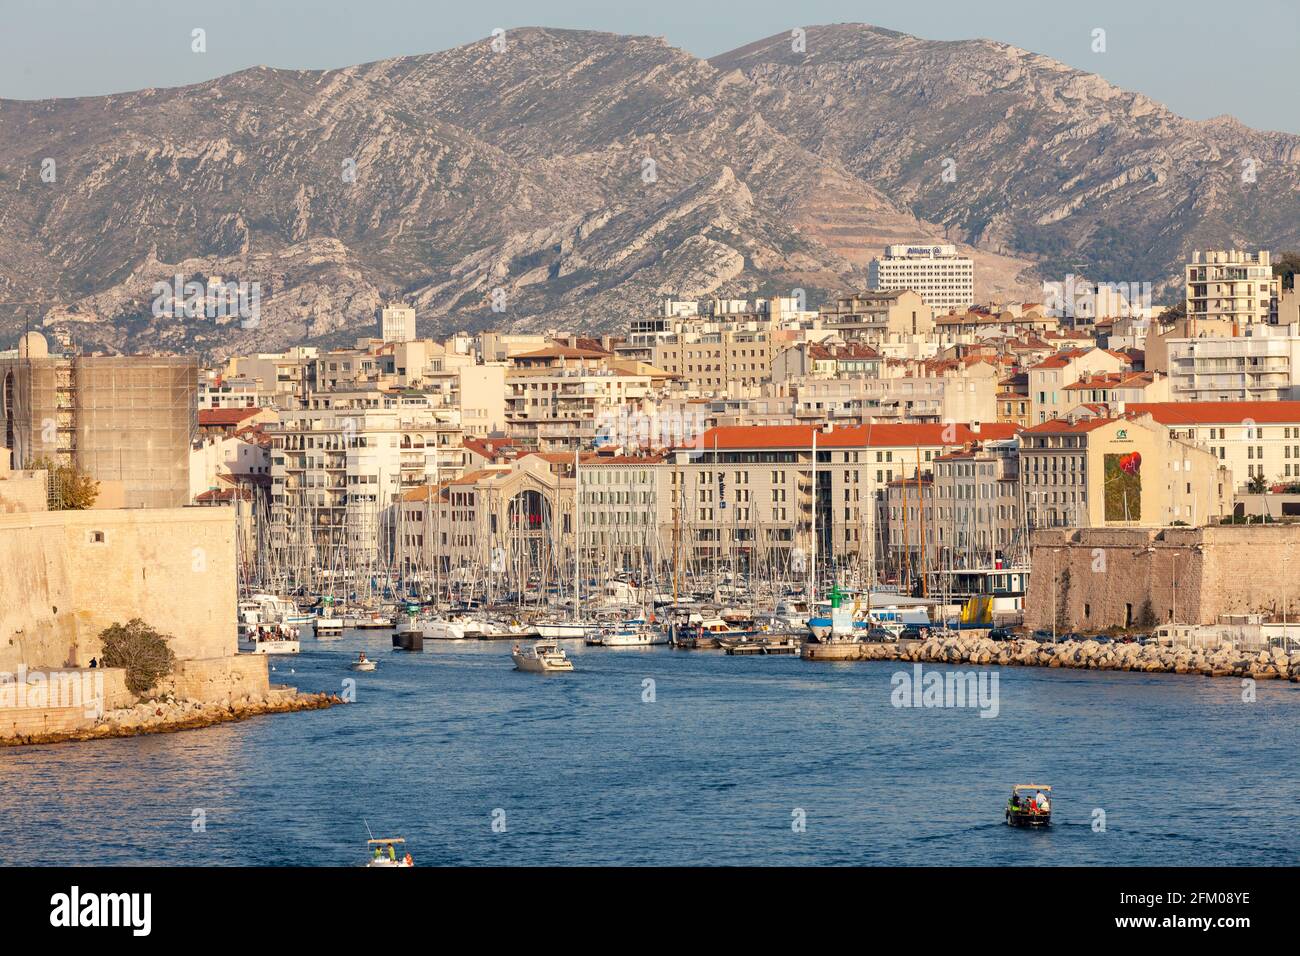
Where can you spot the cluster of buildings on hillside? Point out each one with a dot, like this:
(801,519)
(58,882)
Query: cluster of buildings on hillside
(903,423)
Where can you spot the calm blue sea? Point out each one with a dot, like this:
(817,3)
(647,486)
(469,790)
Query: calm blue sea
(714,770)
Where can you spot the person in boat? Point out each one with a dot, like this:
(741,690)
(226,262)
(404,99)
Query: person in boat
(361,656)
(392,854)
(1040,799)
(378,853)
(1015,800)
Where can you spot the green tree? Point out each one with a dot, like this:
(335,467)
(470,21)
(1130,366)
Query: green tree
(1257,485)
(1146,616)
(1286,266)
(143,651)
(70,488)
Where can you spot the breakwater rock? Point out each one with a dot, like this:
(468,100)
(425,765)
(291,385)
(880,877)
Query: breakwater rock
(1270,664)
(169,714)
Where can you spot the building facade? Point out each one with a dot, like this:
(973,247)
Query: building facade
(943,279)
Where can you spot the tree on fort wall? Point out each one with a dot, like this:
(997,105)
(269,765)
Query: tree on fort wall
(141,650)
(1146,615)
(68,487)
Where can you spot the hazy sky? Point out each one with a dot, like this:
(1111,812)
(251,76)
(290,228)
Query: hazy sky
(1200,57)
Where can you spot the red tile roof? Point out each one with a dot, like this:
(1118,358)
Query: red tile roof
(1218,413)
(884,435)
(1059,426)
(1112,380)
(211,417)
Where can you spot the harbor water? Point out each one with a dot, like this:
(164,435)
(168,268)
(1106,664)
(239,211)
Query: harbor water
(659,756)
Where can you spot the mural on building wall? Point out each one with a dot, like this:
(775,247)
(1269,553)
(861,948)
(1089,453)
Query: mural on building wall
(1123,477)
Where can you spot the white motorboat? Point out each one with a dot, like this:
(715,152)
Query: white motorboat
(628,634)
(264,626)
(544,657)
(444,629)
(363,663)
(271,639)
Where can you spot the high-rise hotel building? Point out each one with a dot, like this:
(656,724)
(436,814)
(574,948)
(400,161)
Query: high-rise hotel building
(943,279)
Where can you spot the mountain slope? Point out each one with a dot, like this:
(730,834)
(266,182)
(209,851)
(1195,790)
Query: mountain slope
(575,178)
(1048,161)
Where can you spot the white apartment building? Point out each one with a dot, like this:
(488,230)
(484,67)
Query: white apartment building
(967,397)
(397,323)
(944,279)
(1252,439)
(337,467)
(558,408)
(1232,285)
(1261,365)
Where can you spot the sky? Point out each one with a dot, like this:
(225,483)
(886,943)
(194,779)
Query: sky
(1196,56)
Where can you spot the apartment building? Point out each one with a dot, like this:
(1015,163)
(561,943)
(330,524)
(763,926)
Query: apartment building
(1233,286)
(558,398)
(943,279)
(878,317)
(1260,365)
(1128,471)
(825,360)
(936,392)
(1048,379)
(965,512)
(278,379)
(1250,439)
(337,466)
(727,359)
(397,323)
(756,494)
(1116,389)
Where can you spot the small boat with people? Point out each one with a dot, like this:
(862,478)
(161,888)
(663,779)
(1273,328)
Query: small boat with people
(1029,805)
(384,853)
(363,663)
(543,657)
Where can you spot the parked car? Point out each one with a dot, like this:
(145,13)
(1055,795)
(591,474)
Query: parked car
(1000,634)
(912,632)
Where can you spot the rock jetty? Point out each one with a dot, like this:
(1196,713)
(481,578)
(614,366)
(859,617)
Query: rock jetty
(1267,664)
(167,714)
